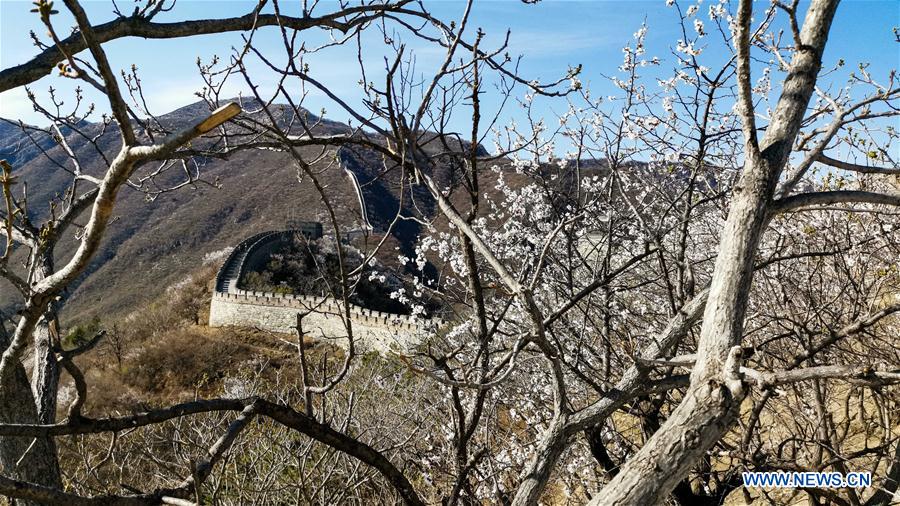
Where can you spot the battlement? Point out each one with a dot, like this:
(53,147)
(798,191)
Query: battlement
(323,316)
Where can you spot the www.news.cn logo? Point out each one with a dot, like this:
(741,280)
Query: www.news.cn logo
(781,479)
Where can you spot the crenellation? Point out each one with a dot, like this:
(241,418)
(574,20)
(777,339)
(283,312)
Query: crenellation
(277,312)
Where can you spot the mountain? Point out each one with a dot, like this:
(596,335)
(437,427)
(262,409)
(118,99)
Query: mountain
(16,147)
(153,244)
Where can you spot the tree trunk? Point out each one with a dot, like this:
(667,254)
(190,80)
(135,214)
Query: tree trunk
(45,375)
(712,402)
(540,466)
(27,459)
(45,372)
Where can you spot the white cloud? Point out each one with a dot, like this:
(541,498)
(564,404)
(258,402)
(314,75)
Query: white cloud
(14,104)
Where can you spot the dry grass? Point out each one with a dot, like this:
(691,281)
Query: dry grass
(165,353)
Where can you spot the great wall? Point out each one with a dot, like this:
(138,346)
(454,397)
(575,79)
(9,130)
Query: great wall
(276,312)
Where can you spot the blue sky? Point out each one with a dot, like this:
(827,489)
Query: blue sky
(551,36)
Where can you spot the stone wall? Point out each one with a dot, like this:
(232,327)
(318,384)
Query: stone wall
(372,330)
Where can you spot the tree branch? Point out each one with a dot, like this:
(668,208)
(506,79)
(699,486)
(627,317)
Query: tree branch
(44,63)
(865,375)
(854,167)
(120,169)
(284,415)
(797,202)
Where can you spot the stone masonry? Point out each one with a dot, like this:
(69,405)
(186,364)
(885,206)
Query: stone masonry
(372,330)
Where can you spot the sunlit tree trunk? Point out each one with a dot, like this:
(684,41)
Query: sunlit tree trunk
(45,372)
(712,402)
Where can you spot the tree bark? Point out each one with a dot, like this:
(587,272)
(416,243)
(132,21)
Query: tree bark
(540,466)
(27,459)
(45,372)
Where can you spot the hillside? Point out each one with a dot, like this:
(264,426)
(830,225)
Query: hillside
(156,243)
(153,244)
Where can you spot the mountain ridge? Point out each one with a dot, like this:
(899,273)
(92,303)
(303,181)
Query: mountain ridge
(152,245)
